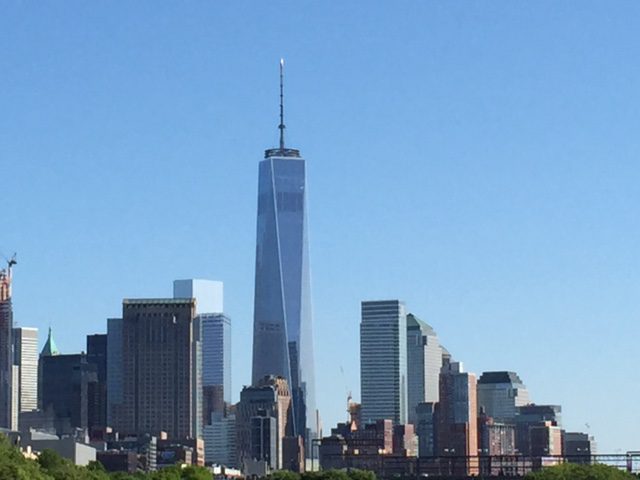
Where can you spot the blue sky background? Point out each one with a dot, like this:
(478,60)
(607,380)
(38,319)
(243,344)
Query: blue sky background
(477,159)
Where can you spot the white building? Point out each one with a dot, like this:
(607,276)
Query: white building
(25,350)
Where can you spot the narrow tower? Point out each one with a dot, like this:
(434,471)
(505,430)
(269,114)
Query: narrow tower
(282,331)
(6,346)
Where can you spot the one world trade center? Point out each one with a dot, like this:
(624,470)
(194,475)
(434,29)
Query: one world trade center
(282,331)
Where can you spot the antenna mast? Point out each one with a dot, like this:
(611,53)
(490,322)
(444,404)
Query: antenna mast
(281,126)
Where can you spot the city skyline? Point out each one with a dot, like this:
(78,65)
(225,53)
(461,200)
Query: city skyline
(510,157)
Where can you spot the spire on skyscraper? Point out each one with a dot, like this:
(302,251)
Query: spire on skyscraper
(281,126)
(281,151)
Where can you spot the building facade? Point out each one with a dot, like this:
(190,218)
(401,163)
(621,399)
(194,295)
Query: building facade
(6,350)
(220,441)
(161,369)
(424,361)
(25,349)
(457,416)
(269,397)
(97,356)
(66,381)
(114,369)
(500,394)
(282,328)
(383,361)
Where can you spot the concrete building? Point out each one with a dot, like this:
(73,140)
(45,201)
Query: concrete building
(282,321)
(25,350)
(457,417)
(67,447)
(270,397)
(383,361)
(500,394)
(161,369)
(424,361)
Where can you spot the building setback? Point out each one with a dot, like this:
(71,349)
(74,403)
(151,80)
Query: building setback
(161,369)
(424,361)
(500,394)
(383,361)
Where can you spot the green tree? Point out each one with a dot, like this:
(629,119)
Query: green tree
(15,466)
(357,474)
(572,471)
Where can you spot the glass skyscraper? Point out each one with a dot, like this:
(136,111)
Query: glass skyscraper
(282,332)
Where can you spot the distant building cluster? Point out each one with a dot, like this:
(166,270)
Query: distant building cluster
(156,388)
(422,413)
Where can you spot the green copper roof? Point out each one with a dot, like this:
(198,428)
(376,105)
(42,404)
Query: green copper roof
(50,349)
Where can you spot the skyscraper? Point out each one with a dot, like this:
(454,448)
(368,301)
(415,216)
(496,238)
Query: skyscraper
(6,348)
(97,355)
(25,349)
(161,369)
(282,332)
(383,361)
(457,417)
(216,341)
(501,393)
(424,360)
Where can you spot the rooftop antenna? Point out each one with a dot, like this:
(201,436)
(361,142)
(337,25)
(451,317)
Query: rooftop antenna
(281,126)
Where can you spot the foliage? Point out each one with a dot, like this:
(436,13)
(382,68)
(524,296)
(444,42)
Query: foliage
(572,471)
(351,474)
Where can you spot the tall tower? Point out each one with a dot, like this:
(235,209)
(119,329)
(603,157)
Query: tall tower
(424,360)
(6,347)
(282,332)
(383,361)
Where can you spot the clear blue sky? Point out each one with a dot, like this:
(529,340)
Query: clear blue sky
(477,159)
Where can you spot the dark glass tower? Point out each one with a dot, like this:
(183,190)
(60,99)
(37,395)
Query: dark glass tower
(282,332)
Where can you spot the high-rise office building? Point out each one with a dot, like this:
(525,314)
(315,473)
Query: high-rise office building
(424,360)
(501,393)
(271,397)
(97,355)
(209,294)
(65,383)
(216,341)
(216,362)
(282,331)
(383,361)
(6,349)
(114,369)
(220,440)
(530,416)
(25,349)
(161,369)
(457,417)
